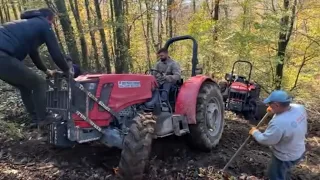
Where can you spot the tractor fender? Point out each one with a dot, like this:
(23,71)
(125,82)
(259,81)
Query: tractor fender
(187,97)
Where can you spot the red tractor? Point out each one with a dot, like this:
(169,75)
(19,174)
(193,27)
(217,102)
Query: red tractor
(241,95)
(125,111)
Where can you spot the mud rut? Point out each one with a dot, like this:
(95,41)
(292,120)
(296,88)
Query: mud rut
(171,159)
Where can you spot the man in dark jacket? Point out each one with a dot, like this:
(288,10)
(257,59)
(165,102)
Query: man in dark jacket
(21,38)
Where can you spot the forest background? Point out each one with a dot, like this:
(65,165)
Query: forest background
(280,37)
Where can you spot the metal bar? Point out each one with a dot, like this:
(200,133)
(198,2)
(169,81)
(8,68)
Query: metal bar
(88,120)
(245,142)
(87,106)
(108,109)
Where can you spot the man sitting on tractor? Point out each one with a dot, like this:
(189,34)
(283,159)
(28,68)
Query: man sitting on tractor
(19,39)
(171,73)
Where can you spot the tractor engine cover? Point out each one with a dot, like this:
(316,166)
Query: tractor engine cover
(117,91)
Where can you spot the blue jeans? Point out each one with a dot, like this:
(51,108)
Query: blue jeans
(166,87)
(280,170)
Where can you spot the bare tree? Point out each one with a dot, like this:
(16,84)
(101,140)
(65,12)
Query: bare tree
(83,43)
(103,37)
(286,26)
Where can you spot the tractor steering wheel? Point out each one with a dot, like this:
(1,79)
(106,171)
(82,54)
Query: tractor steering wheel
(154,70)
(158,75)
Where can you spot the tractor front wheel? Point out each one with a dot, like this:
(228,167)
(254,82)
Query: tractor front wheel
(207,133)
(259,110)
(137,147)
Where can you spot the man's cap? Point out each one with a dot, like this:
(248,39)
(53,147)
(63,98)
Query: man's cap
(278,96)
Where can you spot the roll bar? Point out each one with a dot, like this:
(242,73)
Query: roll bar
(194,50)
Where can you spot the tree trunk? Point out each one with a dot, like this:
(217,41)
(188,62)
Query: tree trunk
(128,37)
(146,34)
(6,10)
(170,18)
(2,20)
(24,3)
(113,29)
(112,32)
(92,36)
(67,30)
(286,26)
(160,25)
(216,18)
(103,37)
(20,7)
(150,5)
(83,43)
(14,9)
(121,51)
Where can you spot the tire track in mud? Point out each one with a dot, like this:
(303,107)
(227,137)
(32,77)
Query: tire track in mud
(171,159)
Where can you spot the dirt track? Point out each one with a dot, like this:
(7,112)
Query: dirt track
(29,159)
(172,159)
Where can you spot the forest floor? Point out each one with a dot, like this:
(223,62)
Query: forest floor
(25,158)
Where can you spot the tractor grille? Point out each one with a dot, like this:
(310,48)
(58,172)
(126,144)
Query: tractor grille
(236,96)
(79,97)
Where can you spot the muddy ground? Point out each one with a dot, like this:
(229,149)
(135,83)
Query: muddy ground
(24,158)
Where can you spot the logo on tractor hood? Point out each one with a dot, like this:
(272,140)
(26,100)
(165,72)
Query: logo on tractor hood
(129,84)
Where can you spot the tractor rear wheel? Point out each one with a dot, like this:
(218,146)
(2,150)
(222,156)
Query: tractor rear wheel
(207,133)
(137,147)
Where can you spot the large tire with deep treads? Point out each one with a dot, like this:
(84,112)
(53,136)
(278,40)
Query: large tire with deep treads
(137,147)
(202,136)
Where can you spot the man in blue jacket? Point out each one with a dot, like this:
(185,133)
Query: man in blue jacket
(21,38)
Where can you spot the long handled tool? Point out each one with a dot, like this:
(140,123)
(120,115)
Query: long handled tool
(265,117)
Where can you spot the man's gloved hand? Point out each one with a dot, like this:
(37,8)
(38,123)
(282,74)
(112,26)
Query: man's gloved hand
(269,109)
(252,130)
(160,79)
(50,73)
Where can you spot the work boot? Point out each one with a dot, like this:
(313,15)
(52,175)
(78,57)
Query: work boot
(34,120)
(33,123)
